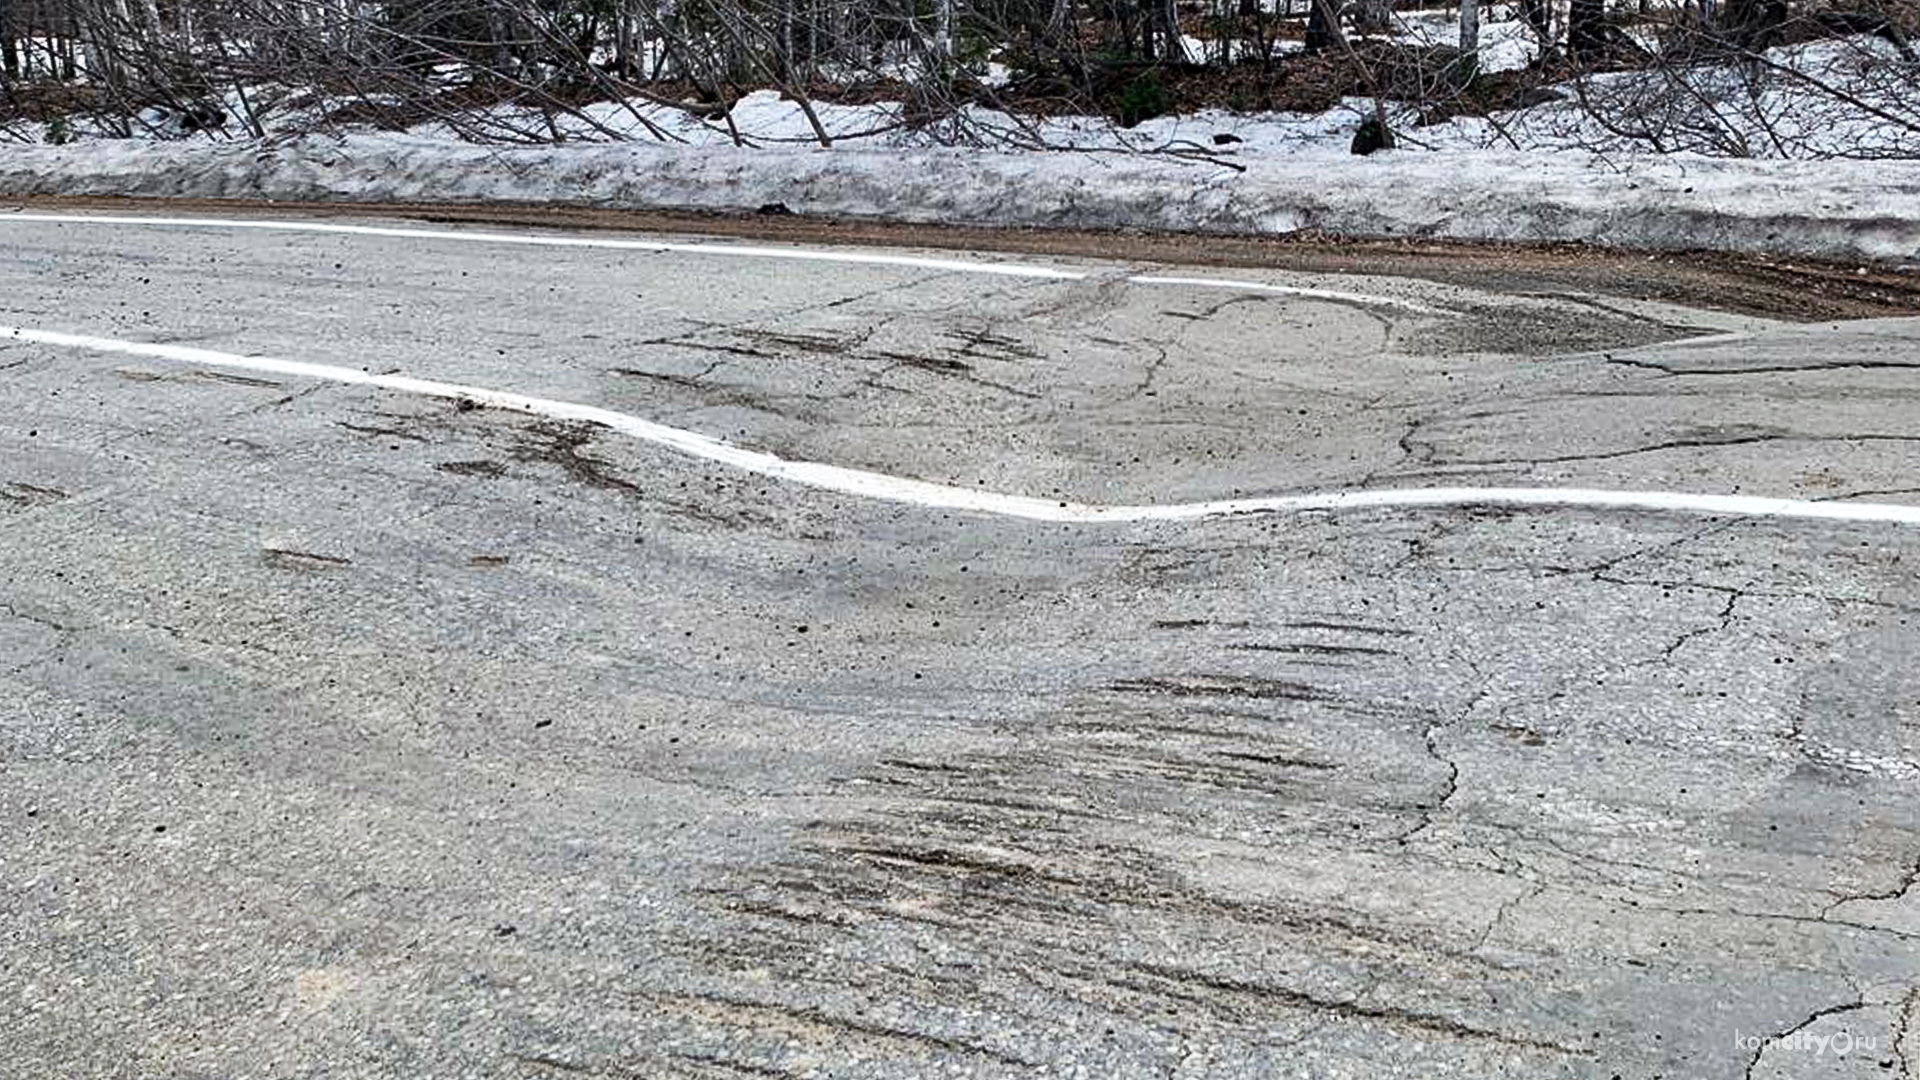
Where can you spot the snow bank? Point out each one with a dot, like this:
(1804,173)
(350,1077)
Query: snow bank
(1834,209)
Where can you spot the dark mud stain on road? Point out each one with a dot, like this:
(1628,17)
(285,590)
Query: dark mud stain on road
(286,559)
(19,495)
(486,470)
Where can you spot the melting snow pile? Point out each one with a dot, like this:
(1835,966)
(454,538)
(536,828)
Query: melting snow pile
(1549,173)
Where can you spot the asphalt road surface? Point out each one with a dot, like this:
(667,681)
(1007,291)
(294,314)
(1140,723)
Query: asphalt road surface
(387,730)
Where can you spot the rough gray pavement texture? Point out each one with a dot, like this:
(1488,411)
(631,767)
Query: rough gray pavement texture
(351,734)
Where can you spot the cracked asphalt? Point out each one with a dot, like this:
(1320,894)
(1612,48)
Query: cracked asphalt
(346,733)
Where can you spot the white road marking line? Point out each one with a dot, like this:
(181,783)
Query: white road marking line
(740,251)
(1282,290)
(922,493)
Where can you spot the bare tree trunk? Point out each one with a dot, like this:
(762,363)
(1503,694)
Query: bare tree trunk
(813,44)
(942,31)
(1539,16)
(784,63)
(1470,37)
(1586,29)
(1323,27)
(1756,24)
(500,29)
(1169,20)
(623,63)
(9,46)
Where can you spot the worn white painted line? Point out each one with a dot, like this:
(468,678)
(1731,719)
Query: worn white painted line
(739,251)
(872,485)
(1282,290)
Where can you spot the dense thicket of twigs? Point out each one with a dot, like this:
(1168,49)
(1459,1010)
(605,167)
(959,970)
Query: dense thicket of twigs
(1707,75)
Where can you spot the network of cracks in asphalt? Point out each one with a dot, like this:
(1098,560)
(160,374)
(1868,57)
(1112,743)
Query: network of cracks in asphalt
(1465,793)
(1481,792)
